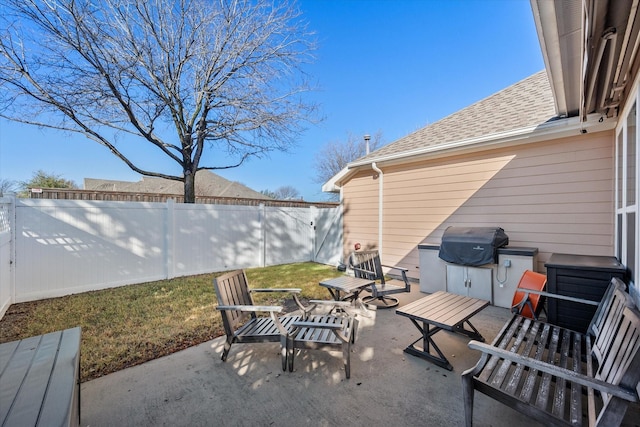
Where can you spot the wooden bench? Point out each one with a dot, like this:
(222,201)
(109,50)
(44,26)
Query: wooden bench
(562,377)
(40,380)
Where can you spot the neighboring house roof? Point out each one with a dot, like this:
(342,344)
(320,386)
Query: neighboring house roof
(207,184)
(525,104)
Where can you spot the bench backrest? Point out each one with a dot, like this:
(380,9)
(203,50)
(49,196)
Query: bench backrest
(233,289)
(615,330)
(367,265)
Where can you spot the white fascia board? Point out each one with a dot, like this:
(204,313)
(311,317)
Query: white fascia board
(333,185)
(557,129)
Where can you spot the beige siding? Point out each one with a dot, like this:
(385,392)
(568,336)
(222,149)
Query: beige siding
(361,212)
(556,196)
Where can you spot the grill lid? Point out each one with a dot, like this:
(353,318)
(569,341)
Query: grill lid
(472,245)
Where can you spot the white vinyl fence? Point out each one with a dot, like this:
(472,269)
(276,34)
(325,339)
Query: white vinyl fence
(6,256)
(52,248)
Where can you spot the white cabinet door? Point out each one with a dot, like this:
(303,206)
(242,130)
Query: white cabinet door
(475,282)
(479,283)
(456,279)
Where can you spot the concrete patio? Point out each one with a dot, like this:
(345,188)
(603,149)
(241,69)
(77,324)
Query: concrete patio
(387,386)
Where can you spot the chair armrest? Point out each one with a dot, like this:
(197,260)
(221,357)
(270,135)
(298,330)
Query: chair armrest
(290,290)
(272,308)
(567,374)
(396,268)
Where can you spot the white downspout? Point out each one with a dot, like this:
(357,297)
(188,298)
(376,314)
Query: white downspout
(380,204)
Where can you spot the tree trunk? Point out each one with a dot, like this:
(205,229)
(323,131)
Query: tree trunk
(189,187)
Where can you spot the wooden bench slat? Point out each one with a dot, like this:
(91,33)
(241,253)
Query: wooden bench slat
(505,365)
(543,392)
(507,331)
(528,388)
(530,340)
(575,409)
(559,396)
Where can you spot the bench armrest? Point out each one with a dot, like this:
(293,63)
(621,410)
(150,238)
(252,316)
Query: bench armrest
(272,308)
(556,296)
(567,374)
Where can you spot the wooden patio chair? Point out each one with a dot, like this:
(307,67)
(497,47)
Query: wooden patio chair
(325,332)
(367,265)
(239,314)
(527,304)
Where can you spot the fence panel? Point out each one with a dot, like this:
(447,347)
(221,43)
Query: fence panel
(214,238)
(6,285)
(328,240)
(288,235)
(71,246)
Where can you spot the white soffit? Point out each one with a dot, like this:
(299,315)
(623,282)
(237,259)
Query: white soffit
(559,31)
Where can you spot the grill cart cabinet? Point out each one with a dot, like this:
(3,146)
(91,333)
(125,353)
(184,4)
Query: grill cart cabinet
(580,276)
(474,282)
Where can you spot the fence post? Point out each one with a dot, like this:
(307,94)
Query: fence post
(262,223)
(12,247)
(169,238)
(8,246)
(313,220)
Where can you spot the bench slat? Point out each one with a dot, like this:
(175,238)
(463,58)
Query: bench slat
(515,378)
(545,384)
(559,394)
(575,410)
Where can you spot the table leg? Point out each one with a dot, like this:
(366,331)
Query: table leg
(427,345)
(473,333)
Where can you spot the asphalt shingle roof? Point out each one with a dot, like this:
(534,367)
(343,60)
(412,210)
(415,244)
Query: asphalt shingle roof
(525,104)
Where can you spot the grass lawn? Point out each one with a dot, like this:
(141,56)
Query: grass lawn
(129,325)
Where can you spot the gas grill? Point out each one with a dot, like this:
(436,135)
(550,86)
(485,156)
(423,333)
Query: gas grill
(472,246)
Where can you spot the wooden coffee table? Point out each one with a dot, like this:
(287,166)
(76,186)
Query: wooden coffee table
(441,311)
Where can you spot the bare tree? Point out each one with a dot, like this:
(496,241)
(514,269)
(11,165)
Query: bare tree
(335,155)
(286,192)
(186,77)
(8,186)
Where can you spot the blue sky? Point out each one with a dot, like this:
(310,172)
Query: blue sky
(392,66)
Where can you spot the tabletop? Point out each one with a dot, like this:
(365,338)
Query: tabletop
(443,309)
(346,283)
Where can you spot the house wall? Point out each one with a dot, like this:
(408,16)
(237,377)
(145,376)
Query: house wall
(556,196)
(360,212)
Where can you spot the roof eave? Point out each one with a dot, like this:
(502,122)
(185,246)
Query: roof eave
(556,129)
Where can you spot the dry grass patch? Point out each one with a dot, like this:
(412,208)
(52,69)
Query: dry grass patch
(129,325)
